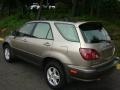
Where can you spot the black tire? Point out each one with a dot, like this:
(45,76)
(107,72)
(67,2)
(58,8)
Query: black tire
(10,57)
(61,72)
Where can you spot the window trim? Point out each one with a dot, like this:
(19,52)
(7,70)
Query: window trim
(47,33)
(63,35)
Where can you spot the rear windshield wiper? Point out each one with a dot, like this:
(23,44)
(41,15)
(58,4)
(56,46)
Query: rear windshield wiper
(108,41)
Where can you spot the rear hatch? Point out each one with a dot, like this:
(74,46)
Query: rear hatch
(97,38)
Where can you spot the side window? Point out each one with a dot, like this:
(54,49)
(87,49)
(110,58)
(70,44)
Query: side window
(27,28)
(50,35)
(43,31)
(68,31)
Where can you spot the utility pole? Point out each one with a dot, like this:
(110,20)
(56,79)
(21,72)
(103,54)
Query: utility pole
(40,10)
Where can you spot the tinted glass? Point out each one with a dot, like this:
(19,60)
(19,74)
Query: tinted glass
(42,30)
(27,28)
(95,36)
(68,31)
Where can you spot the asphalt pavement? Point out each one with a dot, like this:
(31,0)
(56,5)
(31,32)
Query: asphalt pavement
(24,76)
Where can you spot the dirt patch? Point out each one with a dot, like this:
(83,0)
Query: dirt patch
(3,32)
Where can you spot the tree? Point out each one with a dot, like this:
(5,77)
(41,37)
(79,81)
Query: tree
(74,7)
(40,10)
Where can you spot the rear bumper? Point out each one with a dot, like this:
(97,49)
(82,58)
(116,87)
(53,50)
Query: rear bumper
(91,74)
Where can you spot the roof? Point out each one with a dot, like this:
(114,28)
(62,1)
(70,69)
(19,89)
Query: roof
(51,21)
(75,23)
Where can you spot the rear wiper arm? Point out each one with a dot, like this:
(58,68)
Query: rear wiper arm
(105,41)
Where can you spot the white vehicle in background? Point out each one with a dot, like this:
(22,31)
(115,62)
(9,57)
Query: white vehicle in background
(37,6)
(52,7)
(34,6)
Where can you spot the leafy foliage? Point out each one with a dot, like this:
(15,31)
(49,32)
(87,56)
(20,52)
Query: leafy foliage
(99,8)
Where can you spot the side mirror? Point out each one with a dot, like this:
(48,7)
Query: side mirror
(15,33)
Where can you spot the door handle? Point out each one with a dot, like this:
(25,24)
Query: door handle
(24,40)
(47,44)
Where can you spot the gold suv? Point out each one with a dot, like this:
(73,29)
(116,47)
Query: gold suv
(65,50)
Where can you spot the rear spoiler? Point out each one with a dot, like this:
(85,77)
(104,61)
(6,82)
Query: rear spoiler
(91,26)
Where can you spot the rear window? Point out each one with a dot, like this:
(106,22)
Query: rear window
(68,31)
(94,33)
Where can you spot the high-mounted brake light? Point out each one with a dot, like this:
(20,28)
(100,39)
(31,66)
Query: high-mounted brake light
(89,54)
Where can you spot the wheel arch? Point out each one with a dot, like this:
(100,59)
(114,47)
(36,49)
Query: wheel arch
(51,59)
(4,44)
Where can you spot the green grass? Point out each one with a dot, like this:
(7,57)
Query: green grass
(13,22)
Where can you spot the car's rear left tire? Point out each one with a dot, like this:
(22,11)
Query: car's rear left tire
(55,75)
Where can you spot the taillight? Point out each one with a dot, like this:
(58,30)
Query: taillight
(89,54)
